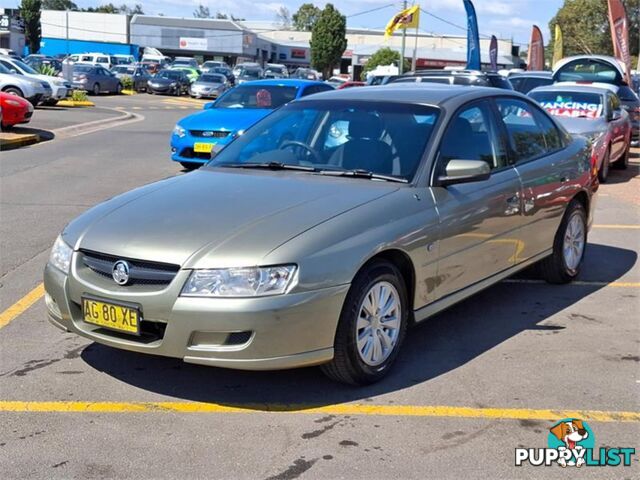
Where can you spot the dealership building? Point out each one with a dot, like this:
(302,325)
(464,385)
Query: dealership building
(66,32)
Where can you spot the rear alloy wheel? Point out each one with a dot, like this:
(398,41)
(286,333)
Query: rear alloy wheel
(96,89)
(563,265)
(603,171)
(372,326)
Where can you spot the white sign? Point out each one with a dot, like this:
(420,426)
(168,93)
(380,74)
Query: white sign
(191,43)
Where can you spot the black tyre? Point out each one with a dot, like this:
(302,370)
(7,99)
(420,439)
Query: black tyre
(372,326)
(623,162)
(50,102)
(96,89)
(603,171)
(190,165)
(14,91)
(563,265)
(119,89)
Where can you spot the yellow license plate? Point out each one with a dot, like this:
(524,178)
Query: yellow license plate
(203,147)
(109,315)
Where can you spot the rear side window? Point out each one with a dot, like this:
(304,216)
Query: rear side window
(526,135)
(626,94)
(499,82)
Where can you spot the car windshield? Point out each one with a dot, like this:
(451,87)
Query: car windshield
(381,138)
(123,69)
(250,72)
(82,68)
(570,104)
(208,78)
(257,96)
(23,66)
(169,74)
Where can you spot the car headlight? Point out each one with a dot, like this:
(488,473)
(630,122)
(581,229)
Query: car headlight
(240,282)
(179,131)
(61,255)
(58,83)
(13,103)
(173,84)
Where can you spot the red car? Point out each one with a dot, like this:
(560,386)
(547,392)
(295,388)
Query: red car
(15,110)
(351,84)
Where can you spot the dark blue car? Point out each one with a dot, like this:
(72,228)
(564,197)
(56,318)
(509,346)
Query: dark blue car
(197,137)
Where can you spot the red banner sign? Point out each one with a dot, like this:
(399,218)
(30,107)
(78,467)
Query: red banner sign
(619,24)
(535,57)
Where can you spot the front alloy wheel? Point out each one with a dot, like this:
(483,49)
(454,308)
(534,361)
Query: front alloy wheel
(372,326)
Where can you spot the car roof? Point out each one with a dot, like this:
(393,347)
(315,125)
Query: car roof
(285,82)
(533,73)
(599,88)
(422,93)
(602,58)
(447,73)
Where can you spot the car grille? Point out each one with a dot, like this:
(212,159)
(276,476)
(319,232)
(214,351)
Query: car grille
(141,272)
(210,133)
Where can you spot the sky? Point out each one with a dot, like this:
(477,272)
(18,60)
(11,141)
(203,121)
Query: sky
(503,18)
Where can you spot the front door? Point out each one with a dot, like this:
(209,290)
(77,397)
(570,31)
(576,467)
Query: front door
(479,221)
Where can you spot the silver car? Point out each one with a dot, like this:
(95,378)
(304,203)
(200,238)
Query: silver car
(593,111)
(289,250)
(209,85)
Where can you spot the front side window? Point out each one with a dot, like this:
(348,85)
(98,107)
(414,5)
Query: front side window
(472,135)
(526,136)
(378,137)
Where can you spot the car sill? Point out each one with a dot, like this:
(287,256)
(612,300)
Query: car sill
(448,301)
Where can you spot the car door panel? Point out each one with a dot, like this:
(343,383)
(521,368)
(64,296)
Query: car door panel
(479,225)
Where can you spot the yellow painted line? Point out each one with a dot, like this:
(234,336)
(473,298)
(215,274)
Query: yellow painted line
(579,282)
(614,226)
(21,305)
(342,409)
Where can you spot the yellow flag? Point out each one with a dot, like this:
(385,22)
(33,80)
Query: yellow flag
(409,18)
(558,46)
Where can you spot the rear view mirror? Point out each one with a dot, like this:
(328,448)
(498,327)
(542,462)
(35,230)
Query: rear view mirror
(464,171)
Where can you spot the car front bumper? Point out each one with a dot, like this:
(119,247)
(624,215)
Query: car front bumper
(182,149)
(284,331)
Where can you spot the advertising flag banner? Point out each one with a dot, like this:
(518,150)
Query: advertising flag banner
(409,18)
(493,53)
(620,34)
(558,46)
(535,57)
(473,37)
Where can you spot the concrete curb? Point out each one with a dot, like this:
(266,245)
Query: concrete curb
(96,125)
(9,141)
(75,103)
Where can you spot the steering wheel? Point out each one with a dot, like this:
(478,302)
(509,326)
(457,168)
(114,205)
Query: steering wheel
(296,143)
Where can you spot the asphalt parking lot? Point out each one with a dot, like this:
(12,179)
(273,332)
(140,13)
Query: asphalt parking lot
(471,385)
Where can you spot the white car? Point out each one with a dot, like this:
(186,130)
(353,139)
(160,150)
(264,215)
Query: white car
(60,88)
(101,59)
(35,91)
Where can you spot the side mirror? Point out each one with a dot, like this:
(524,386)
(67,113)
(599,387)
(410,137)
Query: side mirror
(464,171)
(209,105)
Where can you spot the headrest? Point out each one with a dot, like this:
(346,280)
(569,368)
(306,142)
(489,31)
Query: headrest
(365,126)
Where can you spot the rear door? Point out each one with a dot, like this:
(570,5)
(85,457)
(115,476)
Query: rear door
(536,146)
(617,126)
(479,221)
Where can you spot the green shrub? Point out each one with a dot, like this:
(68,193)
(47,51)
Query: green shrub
(47,70)
(127,83)
(79,95)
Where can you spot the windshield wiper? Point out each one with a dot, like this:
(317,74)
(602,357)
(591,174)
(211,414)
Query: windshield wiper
(269,166)
(361,173)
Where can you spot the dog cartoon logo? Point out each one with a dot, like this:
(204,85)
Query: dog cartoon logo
(570,435)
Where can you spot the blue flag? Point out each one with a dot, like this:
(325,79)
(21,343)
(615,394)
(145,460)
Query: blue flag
(473,37)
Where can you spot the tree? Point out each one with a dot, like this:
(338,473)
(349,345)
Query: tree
(30,14)
(283,18)
(306,16)
(585,27)
(59,5)
(202,12)
(328,40)
(127,10)
(384,56)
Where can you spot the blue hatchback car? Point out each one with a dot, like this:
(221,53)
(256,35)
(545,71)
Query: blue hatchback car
(195,137)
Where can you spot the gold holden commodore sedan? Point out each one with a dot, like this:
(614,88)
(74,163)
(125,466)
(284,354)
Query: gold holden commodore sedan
(323,232)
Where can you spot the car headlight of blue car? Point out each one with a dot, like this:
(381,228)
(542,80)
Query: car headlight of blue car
(179,131)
